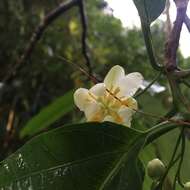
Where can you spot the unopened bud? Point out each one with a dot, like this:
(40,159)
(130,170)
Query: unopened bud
(187,186)
(155,169)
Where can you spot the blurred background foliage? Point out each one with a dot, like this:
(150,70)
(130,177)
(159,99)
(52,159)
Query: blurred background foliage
(44,77)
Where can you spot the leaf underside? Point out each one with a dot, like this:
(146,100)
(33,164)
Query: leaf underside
(149,10)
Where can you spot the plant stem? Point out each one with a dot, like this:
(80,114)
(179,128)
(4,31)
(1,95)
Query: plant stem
(182,157)
(158,130)
(149,47)
(154,80)
(186,83)
(171,160)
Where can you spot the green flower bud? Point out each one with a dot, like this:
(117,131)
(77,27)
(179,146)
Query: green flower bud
(187,186)
(155,169)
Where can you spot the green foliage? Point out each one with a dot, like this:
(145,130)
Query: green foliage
(49,115)
(90,155)
(85,156)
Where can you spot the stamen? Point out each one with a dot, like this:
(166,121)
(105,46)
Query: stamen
(116,116)
(92,96)
(116,91)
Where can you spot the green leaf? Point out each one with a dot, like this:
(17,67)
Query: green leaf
(149,10)
(90,156)
(49,114)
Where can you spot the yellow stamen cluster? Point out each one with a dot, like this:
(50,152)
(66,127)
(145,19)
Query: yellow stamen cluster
(110,105)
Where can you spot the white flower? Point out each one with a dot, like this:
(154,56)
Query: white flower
(111,100)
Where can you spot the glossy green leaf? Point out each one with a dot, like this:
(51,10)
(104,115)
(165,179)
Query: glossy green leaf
(149,10)
(89,156)
(49,114)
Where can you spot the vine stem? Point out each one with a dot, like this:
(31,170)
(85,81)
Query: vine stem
(181,161)
(172,159)
(153,81)
(186,83)
(160,129)
(149,47)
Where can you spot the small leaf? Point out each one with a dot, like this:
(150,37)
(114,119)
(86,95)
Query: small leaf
(49,114)
(90,156)
(150,10)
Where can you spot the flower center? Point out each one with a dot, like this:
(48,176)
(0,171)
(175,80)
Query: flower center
(110,104)
(109,101)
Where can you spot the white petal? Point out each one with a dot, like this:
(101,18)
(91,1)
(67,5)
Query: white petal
(92,112)
(126,114)
(98,90)
(108,118)
(81,98)
(130,84)
(114,75)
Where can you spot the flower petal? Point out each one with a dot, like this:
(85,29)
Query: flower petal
(130,84)
(98,90)
(114,75)
(93,112)
(126,114)
(81,98)
(108,118)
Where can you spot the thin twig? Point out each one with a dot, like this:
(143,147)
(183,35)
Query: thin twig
(182,74)
(182,158)
(170,165)
(180,162)
(84,35)
(90,76)
(36,36)
(186,83)
(178,173)
(184,101)
(153,81)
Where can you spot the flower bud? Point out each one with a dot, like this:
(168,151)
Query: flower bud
(187,186)
(155,169)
